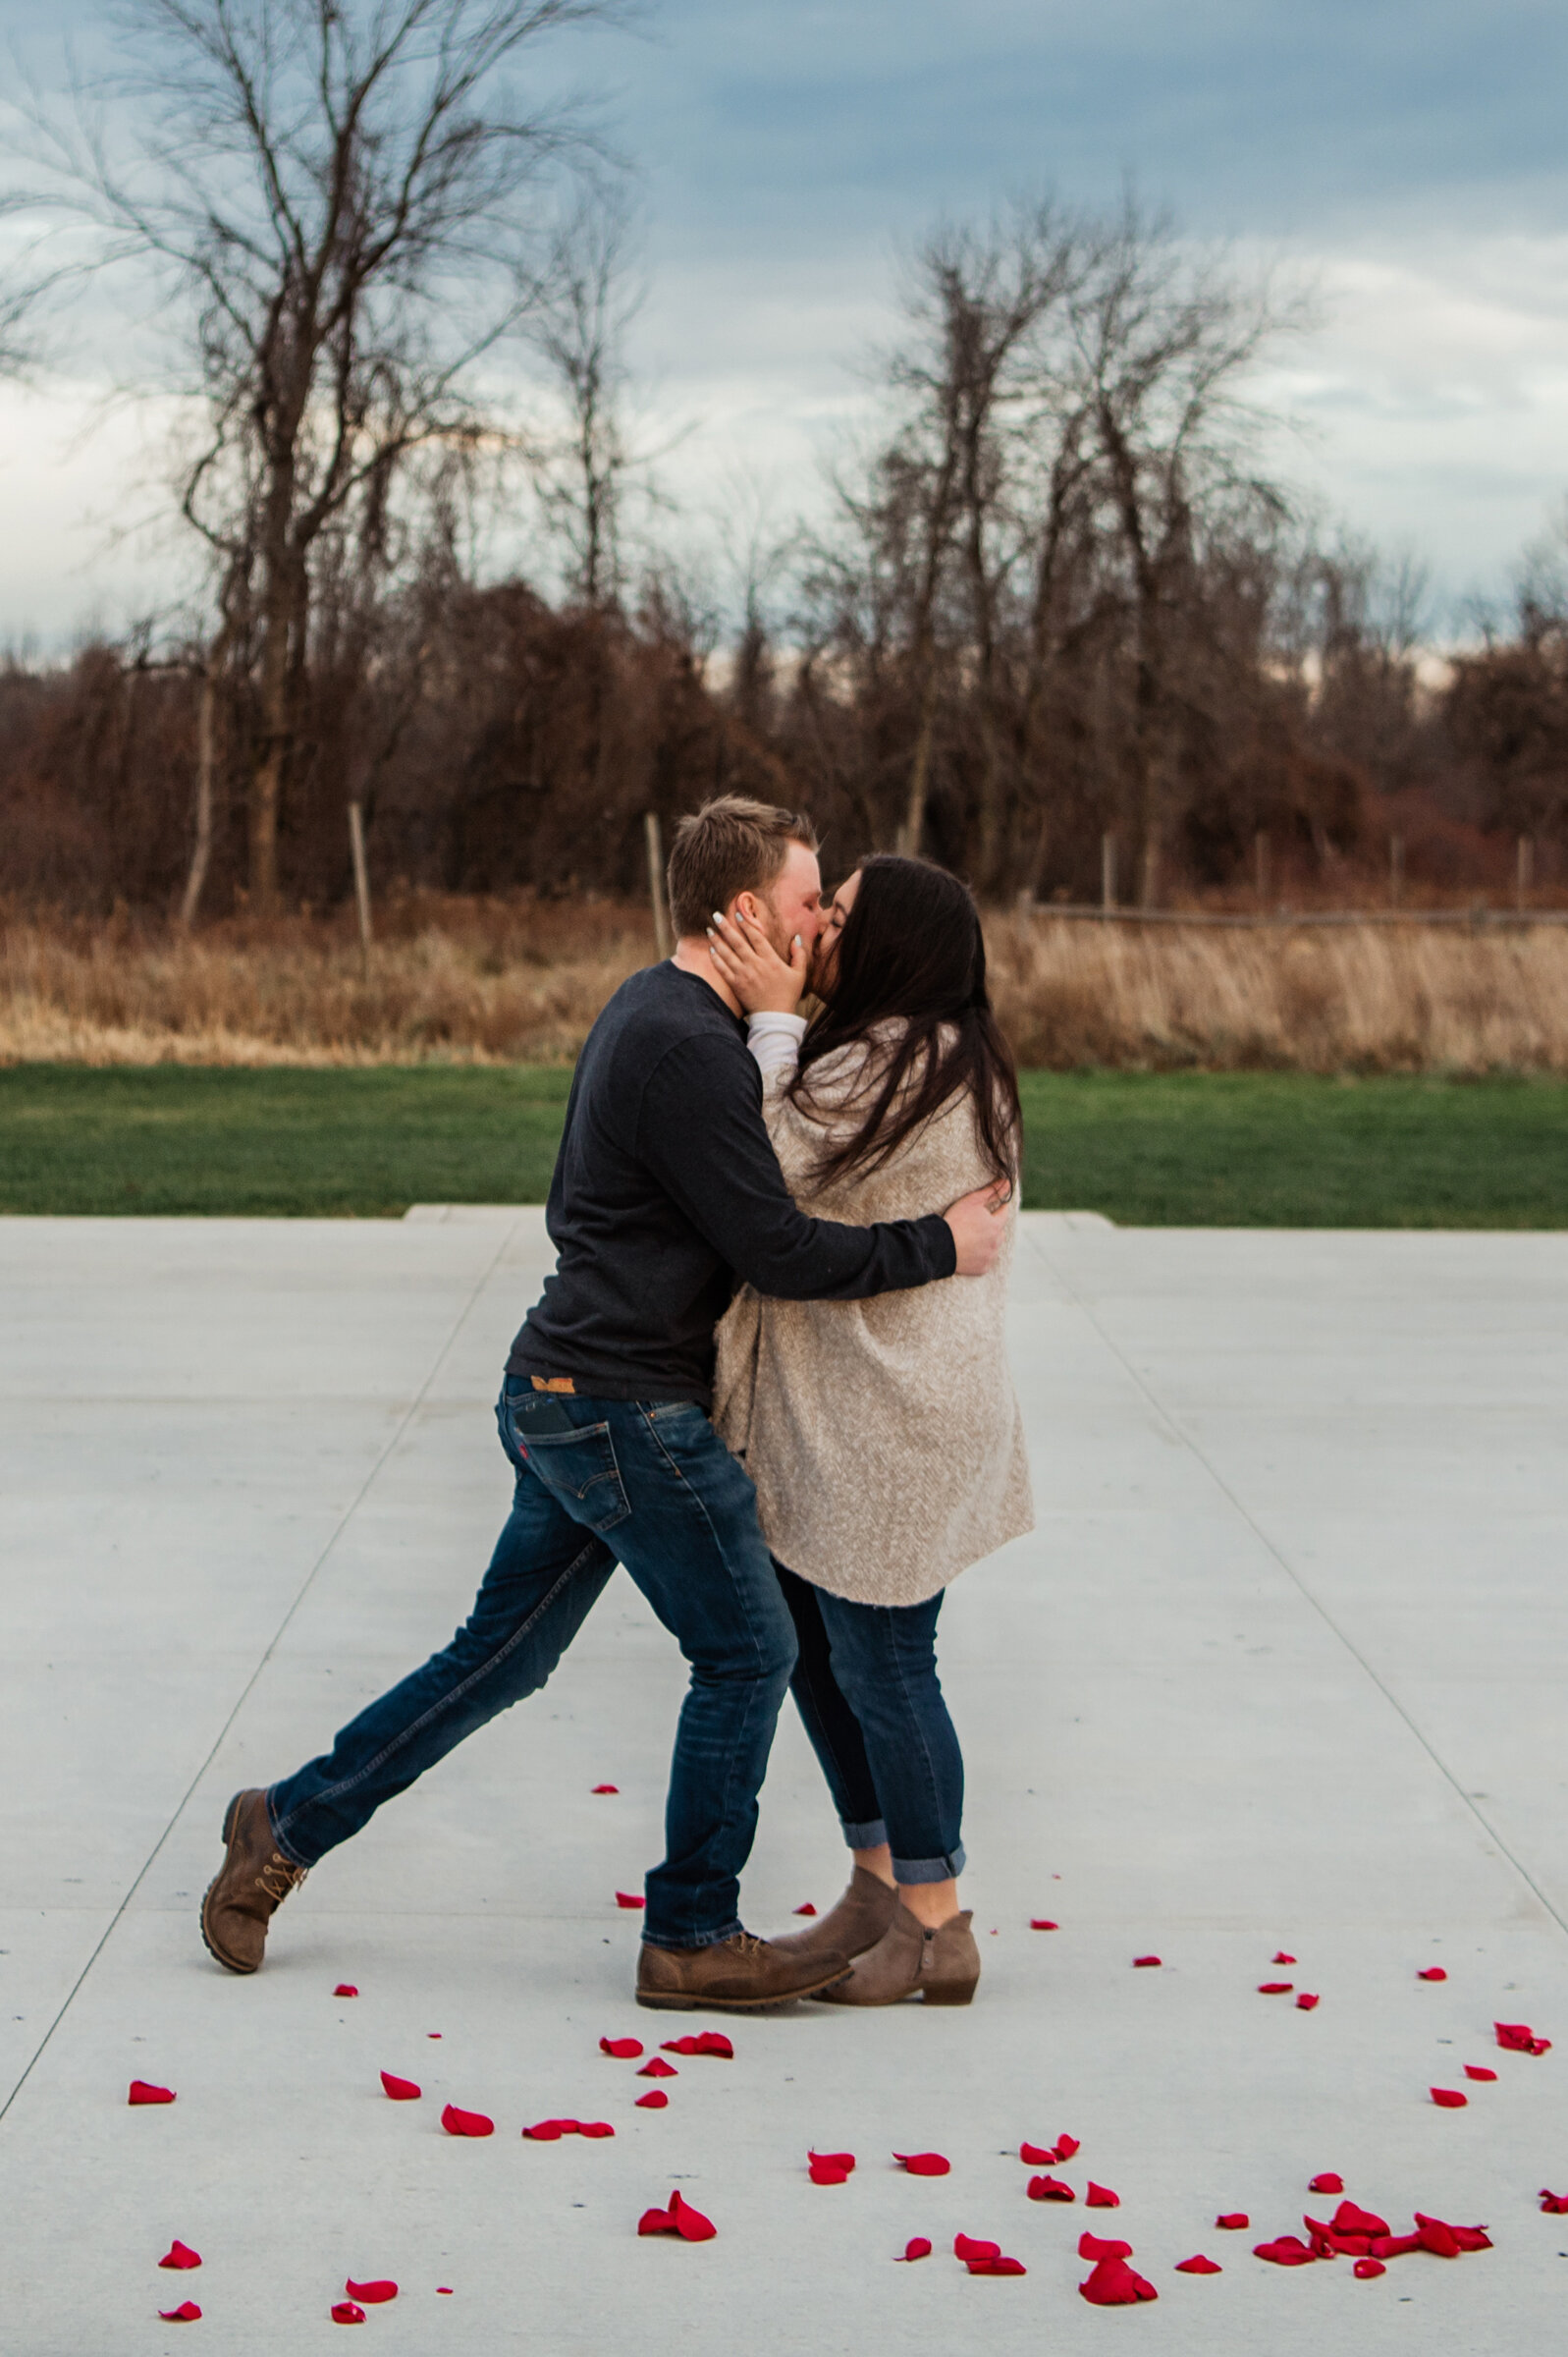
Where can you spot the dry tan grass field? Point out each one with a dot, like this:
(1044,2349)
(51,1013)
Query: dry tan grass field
(468,981)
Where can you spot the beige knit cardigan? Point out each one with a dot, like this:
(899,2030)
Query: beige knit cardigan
(883,1435)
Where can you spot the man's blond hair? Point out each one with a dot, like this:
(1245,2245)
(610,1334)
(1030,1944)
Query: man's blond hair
(731,845)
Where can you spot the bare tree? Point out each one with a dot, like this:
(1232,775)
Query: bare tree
(585,305)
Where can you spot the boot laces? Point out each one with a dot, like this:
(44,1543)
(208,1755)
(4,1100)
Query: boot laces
(278,1877)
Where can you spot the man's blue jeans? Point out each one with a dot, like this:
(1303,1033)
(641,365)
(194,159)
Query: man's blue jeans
(598,1481)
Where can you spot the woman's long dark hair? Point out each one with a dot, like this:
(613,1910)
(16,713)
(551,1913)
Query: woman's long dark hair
(911,948)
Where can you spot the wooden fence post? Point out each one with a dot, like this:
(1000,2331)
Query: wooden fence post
(1107,871)
(653,836)
(361,882)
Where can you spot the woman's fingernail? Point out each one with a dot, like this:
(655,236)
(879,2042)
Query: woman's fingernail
(718,917)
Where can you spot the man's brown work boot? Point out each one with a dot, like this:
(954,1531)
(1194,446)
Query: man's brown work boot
(251,1885)
(740,1975)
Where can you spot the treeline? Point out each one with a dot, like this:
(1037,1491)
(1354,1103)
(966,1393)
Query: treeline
(1063,616)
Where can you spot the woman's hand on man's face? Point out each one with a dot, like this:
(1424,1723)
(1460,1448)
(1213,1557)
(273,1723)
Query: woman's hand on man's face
(745,959)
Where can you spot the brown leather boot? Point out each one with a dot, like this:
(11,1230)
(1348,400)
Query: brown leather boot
(857,1923)
(740,1975)
(943,1966)
(252,1884)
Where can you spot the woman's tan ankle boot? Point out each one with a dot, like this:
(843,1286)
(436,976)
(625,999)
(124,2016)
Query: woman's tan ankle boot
(941,1966)
(857,1923)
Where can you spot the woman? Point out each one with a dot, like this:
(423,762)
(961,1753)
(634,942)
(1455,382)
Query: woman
(883,1435)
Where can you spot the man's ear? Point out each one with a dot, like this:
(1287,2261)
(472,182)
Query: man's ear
(748,904)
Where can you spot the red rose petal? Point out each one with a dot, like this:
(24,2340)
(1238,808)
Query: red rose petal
(843,2162)
(1434,1972)
(594,2129)
(466,2123)
(345,2312)
(1330,2182)
(1282,1958)
(1437,2238)
(624,2049)
(180,2255)
(705,2042)
(1287,2250)
(656,2221)
(1038,2156)
(346,1988)
(821,2174)
(1114,2285)
(654,2101)
(443,2290)
(142,2092)
(967,2246)
(401,2090)
(1097,2246)
(998,2267)
(1050,2189)
(1555,2204)
(807,1909)
(1143,1964)
(1518,2038)
(1305,2004)
(917,2248)
(1449,2099)
(1198,2265)
(1479,2070)
(188,2313)
(1234,2221)
(1041,1923)
(374,2295)
(1463,2238)
(1100,2197)
(1066,2146)
(550,2131)
(690,2224)
(629,1898)
(1364,2269)
(657,2068)
(432,2033)
(1275,1988)
(924,2165)
(607,1787)
(1349,2219)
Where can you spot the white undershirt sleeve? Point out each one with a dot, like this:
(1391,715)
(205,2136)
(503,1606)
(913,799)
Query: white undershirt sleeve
(775,1041)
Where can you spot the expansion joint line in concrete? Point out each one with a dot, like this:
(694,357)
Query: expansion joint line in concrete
(1185,1441)
(276,1639)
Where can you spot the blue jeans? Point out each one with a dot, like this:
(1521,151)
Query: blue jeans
(598,1481)
(867,1690)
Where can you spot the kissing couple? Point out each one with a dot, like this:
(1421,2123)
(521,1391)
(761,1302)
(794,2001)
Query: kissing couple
(766,1376)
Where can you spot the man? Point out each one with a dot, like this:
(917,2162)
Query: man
(665,1190)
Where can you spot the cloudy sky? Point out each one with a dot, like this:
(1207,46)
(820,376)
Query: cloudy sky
(1409,160)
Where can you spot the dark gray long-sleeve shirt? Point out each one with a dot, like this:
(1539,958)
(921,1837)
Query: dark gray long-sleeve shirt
(667,1191)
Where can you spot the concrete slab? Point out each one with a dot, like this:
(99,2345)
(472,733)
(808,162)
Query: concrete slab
(1280,1668)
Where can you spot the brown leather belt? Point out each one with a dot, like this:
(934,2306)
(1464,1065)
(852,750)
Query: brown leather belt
(552,1383)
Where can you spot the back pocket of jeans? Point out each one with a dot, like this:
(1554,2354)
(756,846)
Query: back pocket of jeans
(580,1466)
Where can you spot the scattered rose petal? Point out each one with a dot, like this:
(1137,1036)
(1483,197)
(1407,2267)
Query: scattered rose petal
(143,2092)
(1275,1988)
(1463,2238)
(1330,2182)
(924,2165)
(1234,2221)
(998,2267)
(1479,2070)
(550,2131)
(629,1898)
(1436,2237)
(917,2248)
(188,2313)
(374,2295)
(346,1988)
(1198,2265)
(401,2090)
(1038,2156)
(1555,2204)
(1050,2189)
(1282,1958)
(443,2290)
(1518,2038)
(1287,2250)
(1114,2285)
(1100,2197)
(657,2068)
(345,2312)
(1449,2099)
(594,2128)
(1066,2146)
(1097,2246)
(607,1787)
(180,2255)
(967,2246)
(624,2049)
(1364,2269)
(836,2167)
(1434,1972)
(654,2101)
(1143,1964)
(807,1909)
(1350,2218)
(690,2224)
(432,2033)
(1041,1923)
(466,2123)
(1305,2004)
(704,2042)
